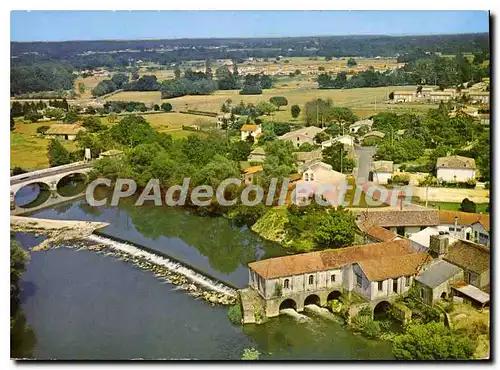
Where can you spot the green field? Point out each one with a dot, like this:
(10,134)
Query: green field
(446,206)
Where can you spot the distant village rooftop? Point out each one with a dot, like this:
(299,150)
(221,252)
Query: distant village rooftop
(395,218)
(456,161)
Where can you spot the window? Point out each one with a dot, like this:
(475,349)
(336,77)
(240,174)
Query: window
(286,284)
(312,176)
(422,293)
(359,280)
(380,286)
(306,176)
(332,278)
(407,281)
(395,286)
(400,230)
(311,279)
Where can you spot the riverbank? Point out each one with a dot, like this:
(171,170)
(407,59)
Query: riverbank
(57,231)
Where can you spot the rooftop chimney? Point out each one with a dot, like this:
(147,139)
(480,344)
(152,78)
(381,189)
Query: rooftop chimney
(438,245)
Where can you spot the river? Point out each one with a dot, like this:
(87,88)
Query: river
(84,305)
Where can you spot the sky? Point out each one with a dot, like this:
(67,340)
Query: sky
(113,25)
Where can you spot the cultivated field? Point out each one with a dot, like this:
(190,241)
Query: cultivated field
(90,83)
(148,97)
(27,149)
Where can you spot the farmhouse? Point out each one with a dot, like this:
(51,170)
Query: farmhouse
(404,96)
(376,271)
(425,92)
(258,155)
(354,128)
(301,136)
(456,168)
(439,96)
(480,97)
(63,131)
(250,130)
(303,157)
(381,171)
(250,172)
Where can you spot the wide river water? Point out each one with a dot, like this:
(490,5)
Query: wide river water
(83,305)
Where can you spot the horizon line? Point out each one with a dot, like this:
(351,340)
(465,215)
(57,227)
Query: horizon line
(256,37)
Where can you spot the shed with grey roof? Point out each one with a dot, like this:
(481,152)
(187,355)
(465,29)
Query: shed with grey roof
(436,281)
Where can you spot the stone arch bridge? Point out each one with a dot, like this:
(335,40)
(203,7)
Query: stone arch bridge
(48,178)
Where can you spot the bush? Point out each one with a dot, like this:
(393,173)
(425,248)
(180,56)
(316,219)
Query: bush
(18,171)
(428,180)
(467,206)
(250,354)
(487,185)
(42,129)
(234,314)
(399,179)
(365,325)
(251,90)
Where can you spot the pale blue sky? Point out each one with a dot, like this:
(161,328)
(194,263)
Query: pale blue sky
(99,25)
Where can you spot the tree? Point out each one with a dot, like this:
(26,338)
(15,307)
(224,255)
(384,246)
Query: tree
(295,110)
(177,72)
(12,123)
(54,113)
(391,95)
(432,341)
(93,124)
(57,153)
(265,108)
(81,88)
(279,101)
(166,107)
(467,206)
(33,116)
(336,156)
(307,147)
(71,117)
(112,117)
(42,129)
(321,137)
(335,229)
(240,150)
(119,80)
(156,107)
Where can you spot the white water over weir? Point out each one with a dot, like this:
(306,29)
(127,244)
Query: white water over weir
(294,314)
(167,263)
(320,311)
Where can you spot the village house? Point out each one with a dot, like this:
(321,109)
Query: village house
(347,140)
(404,96)
(250,172)
(250,130)
(381,171)
(316,175)
(402,222)
(303,157)
(480,97)
(374,135)
(63,131)
(223,118)
(425,92)
(456,168)
(301,136)
(258,155)
(354,128)
(378,272)
(462,269)
(465,225)
(376,234)
(439,96)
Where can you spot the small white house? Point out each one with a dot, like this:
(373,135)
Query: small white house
(354,128)
(301,136)
(404,96)
(347,140)
(456,168)
(316,176)
(381,171)
(250,130)
(481,231)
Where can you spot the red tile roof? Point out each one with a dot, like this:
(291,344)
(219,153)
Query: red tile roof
(328,259)
(392,267)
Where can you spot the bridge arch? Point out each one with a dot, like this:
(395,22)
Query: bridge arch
(71,184)
(312,299)
(288,303)
(335,294)
(31,195)
(381,310)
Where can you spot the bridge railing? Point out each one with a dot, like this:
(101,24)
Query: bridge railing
(47,170)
